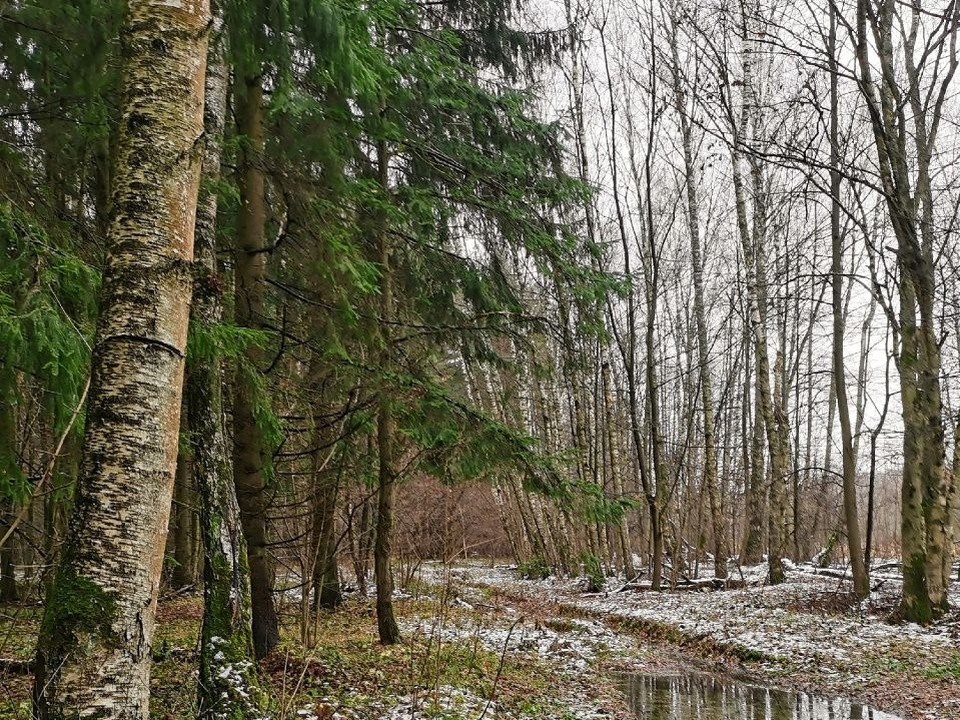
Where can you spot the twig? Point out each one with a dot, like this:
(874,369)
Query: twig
(503,660)
(48,471)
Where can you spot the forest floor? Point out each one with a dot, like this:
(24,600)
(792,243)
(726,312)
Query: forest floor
(806,634)
(456,662)
(482,644)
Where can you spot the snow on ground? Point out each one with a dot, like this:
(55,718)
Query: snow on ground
(771,620)
(802,631)
(447,701)
(442,701)
(575,644)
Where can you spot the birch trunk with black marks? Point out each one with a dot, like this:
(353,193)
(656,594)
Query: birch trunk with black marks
(227,684)
(94,649)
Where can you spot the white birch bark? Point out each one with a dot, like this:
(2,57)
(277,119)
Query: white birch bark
(94,648)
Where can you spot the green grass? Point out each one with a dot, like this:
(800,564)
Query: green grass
(946,671)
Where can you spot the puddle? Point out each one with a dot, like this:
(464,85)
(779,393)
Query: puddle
(705,697)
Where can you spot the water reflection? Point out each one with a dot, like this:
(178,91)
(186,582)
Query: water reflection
(705,697)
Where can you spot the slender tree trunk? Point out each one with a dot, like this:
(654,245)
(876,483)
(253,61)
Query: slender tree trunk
(861,583)
(699,310)
(250,270)
(627,346)
(779,464)
(183,569)
(323,545)
(360,538)
(227,682)
(57,506)
(8,464)
(756,475)
(9,592)
(656,436)
(94,649)
(955,489)
(771,412)
(386,622)
(623,538)
(871,491)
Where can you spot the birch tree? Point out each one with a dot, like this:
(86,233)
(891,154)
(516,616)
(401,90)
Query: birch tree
(699,307)
(94,650)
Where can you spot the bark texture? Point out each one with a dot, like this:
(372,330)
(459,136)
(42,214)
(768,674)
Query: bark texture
(227,684)
(386,622)
(250,275)
(94,650)
(927,486)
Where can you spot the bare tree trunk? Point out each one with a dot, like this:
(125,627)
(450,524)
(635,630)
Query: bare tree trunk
(94,649)
(623,541)
(926,492)
(871,492)
(359,539)
(756,476)
(323,545)
(699,309)
(779,463)
(774,419)
(183,552)
(386,622)
(226,636)
(861,583)
(916,601)
(8,465)
(9,592)
(250,270)
(627,346)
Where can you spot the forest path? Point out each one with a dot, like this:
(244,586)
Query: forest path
(801,635)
